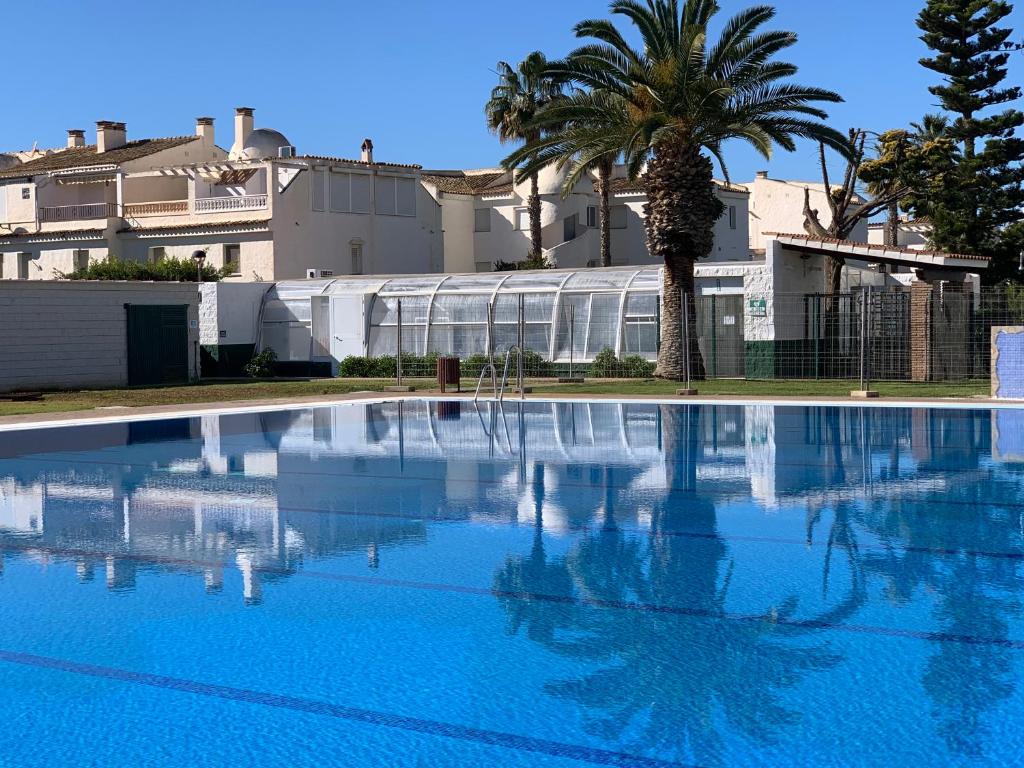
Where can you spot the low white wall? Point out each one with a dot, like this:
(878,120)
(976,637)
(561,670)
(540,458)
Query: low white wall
(228,312)
(64,335)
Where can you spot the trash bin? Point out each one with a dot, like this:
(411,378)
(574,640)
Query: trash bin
(448,373)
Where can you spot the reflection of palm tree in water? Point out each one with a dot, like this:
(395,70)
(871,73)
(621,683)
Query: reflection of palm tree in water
(973,594)
(667,679)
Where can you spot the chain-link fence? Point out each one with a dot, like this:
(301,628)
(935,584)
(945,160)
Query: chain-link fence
(921,333)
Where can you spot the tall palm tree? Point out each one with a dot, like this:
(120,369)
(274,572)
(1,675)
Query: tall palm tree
(515,101)
(669,105)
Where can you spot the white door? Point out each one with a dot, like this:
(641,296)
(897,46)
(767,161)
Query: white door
(348,327)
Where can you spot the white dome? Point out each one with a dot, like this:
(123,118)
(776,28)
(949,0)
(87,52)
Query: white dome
(262,143)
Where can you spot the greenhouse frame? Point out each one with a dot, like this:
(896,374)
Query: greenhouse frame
(568,314)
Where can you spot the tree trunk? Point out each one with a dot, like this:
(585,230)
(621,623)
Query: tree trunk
(833,274)
(681,212)
(536,243)
(892,226)
(604,171)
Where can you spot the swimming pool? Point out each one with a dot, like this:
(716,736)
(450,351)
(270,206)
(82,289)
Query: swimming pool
(547,583)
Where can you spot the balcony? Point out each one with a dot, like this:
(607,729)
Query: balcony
(156,208)
(77,212)
(230,204)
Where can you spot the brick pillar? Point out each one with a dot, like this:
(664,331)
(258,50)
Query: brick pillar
(920,331)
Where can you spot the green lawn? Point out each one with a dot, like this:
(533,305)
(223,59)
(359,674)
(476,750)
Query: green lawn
(245,390)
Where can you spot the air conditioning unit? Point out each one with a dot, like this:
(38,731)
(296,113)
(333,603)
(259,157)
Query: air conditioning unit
(314,274)
(286,151)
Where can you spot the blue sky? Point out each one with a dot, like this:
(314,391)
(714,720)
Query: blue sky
(411,74)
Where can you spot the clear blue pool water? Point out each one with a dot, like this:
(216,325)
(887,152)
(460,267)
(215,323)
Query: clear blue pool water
(552,584)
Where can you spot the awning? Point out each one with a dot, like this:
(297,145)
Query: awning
(880,254)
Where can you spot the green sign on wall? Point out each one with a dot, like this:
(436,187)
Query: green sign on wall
(757,308)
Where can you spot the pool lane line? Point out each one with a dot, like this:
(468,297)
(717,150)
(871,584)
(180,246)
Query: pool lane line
(528,596)
(517,742)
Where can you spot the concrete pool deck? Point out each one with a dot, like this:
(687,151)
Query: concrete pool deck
(110,414)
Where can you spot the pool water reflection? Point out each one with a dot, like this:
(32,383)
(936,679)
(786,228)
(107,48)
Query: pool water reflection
(422,583)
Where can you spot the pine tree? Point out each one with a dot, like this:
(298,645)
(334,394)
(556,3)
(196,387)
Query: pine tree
(976,209)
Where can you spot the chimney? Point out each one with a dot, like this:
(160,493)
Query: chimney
(243,127)
(367,155)
(76,138)
(109,136)
(204,129)
(762,174)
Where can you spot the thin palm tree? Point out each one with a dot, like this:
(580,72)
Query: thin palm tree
(666,108)
(521,93)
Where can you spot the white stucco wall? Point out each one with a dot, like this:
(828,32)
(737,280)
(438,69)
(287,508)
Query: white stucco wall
(228,312)
(777,206)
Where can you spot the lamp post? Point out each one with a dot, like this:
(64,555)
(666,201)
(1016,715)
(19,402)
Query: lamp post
(199,257)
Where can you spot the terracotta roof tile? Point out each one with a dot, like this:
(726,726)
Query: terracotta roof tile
(636,187)
(203,225)
(83,157)
(62,234)
(375,164)
(811,239)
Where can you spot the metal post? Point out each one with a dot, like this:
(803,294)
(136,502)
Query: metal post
(572,334)
(865,341)
(686,336)
(398,359)
(521,343)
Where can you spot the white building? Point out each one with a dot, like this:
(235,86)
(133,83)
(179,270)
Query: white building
(260,209)
(486,220)
(911,233)
(777,205)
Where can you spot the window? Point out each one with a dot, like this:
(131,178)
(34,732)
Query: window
(233,259)
(157,253)
(732,217)
(591,216)
(617,217)
(341,192)
(569,228)
(79,260)
(26,193)
(356,252)
(360,193)
(522,219)
(482,220)
(23,262)
(317,182)
(396,196)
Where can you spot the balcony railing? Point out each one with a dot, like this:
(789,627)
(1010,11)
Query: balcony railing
(77,212)
(156,208)
(218,204)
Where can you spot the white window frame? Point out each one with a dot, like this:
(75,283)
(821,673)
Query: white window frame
(239,262)
(350,176)
(591,216)
(516,213)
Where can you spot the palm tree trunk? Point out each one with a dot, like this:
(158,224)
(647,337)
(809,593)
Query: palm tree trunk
(604,172)
(681,212)
(536,243)
(892,226)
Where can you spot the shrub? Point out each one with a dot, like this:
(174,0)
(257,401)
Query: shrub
(635,367)
(353,367)
(165,270)
(261,366)
(605,365)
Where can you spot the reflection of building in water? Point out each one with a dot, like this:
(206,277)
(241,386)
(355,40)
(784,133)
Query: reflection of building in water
(259,492)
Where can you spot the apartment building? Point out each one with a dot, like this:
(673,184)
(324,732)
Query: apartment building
(259,209)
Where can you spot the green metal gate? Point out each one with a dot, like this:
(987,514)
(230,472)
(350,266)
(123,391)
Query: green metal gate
(720,335)
(157,344)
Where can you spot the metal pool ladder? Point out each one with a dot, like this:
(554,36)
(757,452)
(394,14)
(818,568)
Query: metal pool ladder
(499,390)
